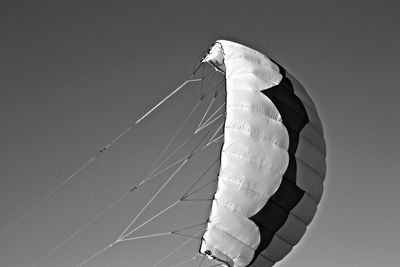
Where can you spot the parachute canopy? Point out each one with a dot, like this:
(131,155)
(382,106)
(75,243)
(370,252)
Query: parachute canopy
(272,161)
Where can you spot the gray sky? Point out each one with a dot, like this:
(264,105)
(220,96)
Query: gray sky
(74,74)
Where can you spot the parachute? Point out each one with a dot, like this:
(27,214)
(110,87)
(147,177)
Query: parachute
(272,161)
(269,181)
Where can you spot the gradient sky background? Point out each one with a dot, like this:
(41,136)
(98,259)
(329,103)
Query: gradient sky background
(74,74)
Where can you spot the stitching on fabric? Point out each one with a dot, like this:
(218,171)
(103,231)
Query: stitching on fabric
(254,135)
(320,175)
(231,235)
(240,183)
(247,130)
(274,79)
(320,159)
(234,106)
(319,149)
(252,109)
(319,130)
(244,125)
(277,235)
(248,159)
(224,202)
(229,207)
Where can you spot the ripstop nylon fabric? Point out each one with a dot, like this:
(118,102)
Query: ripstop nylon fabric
(272,161)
